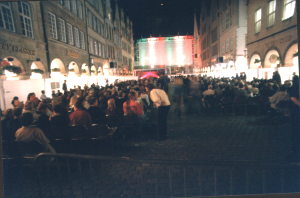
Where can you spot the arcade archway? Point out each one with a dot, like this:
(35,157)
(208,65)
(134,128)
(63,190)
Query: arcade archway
(255,61)
(272,59)
(11,68)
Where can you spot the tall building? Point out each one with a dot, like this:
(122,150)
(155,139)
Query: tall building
(65,36)
(196,47)
(173,54)
(81,41)
(22,41)
(257,37)
(223,28)
(272,38)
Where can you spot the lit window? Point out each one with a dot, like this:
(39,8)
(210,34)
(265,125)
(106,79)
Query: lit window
(52,25)
(91,47)
(25,18)
(6,19)
(82,40)
(103,51)
(67,4)
(76,35)
(271,12)
(257,20)
(62,2)
(80,11)
(100,49)
(288,9)
(70,34)
(73,6)
(96,47)
(62,30)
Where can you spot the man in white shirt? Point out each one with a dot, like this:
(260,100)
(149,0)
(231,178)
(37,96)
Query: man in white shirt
(160,101)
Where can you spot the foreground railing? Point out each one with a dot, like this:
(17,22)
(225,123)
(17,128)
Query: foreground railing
(67,175)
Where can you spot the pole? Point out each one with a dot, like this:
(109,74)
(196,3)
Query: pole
(1,165)
(298,31)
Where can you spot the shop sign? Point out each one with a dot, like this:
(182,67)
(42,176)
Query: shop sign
(15,48)
(73,54)
(97,60)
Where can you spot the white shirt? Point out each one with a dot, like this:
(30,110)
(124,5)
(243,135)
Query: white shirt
(159,98)
(31,133)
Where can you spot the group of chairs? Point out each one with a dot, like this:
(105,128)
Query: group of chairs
(246,106)
(81,140)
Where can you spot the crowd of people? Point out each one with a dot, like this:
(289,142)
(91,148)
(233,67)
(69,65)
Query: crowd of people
(129,108)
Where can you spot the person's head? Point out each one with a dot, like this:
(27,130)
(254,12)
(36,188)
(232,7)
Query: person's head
(59,108)
(42,107)
(132,95)
(15,102)
(27,119)
(111,104)
(43,91)
(29,106)
(31,96)
(149,87)
(9,114)
(93,101)
(79,104)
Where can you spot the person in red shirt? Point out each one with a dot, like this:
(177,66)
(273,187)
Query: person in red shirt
(80,117)
(132,106)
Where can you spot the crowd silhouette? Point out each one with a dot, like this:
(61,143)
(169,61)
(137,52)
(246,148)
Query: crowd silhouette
(126,110)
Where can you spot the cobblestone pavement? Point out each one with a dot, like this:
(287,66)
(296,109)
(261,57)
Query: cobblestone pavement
(229,138)
(203,138)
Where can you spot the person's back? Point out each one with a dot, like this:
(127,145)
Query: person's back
(29,133)
(8,126)
(80,117)
(97,115)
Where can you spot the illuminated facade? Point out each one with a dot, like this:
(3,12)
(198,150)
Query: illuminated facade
(256,37)
(174,54)
(81,41)
(222,33)
(78,33)
(272,38)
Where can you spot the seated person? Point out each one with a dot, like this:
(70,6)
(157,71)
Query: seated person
(80,117)
(59,122)
(132,106)
(97,115)
(29,133)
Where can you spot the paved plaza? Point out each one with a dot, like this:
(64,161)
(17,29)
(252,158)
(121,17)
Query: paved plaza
(218,138)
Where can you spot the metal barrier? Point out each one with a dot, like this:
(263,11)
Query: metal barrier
(68,175)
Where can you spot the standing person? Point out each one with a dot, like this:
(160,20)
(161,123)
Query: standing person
(160,101)
(43,96)
(294,119)
(163,82)
(64,86)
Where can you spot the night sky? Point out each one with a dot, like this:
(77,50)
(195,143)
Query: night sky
(161,17)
